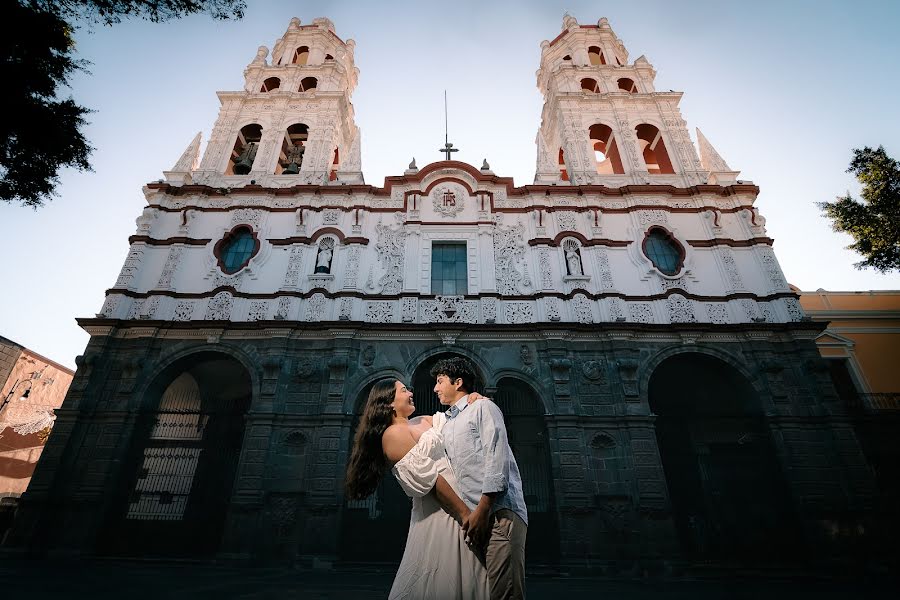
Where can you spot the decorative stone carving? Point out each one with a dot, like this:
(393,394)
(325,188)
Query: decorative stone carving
(184,310)
(770,263)
(553,309)
(653,217)
(259,310)
(368,356)
(583,311)
(795,311)
(391,248)
(667,284)
(345,310)
(489,309)
(616,312)
(449,309)
(546,273)
(409,309)
(283,309)
(526,356)
(603,441)
(331,216)
(519,312)
(750,309)
(145,221)
(352,269)
(640,312)
(567,221)
(628,375)
(448,200)
(734,278)
(130,268)
(594,371)
(305,369)
(718,313)
(172,260)
(225,280)
(606,279)
(681,310)
(315,308)
(295,264)
(219,307)
(246,216)
(509,254)
(380,312)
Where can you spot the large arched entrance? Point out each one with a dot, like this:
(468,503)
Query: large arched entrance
(524,416)
(729,498)
(176,481)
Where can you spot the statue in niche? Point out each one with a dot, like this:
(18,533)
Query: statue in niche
(573,262)
(323,258)
(295,160)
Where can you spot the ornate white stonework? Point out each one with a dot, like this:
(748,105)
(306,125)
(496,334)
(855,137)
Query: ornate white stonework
(381,238)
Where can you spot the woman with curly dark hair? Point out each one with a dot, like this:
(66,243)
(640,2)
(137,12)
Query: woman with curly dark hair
(437,562)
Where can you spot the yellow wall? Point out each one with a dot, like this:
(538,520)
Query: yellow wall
(870,322)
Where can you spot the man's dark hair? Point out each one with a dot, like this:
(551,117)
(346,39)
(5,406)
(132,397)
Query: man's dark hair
(456,368)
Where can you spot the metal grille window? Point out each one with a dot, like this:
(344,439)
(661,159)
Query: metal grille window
(238,250)
(663,252)
(448,269)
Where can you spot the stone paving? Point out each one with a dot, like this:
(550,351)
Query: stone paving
(97,579)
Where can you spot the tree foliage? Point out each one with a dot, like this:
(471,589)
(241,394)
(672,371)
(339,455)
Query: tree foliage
(874,222)
(40,132)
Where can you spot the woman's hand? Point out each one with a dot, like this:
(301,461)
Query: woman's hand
(476,396)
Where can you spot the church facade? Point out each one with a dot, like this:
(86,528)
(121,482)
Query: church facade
(660,382)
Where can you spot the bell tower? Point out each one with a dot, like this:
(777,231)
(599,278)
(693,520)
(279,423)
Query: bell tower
(293,123)
(603,121)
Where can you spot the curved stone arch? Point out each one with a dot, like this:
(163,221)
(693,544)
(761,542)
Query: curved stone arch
(413,364)
(544,395)
(648,368)
(358,385)
(251,361)
(470,186)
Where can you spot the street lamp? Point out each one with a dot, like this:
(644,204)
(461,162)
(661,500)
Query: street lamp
(25,393)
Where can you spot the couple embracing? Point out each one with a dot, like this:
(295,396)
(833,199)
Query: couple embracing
(468,523)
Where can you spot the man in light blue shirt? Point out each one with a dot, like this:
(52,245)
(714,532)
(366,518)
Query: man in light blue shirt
(477,447)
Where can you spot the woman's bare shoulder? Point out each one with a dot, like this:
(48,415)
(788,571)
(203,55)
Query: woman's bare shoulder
(396,441)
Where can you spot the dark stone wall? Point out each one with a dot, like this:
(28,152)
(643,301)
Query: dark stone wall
(612,500)
(9,354)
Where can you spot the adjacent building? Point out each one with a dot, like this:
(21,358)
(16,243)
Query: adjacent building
(661,383)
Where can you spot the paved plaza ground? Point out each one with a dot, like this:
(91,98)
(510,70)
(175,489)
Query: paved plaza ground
(119,580)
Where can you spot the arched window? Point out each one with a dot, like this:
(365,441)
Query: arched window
(329,57)
(563,174)
(606,151)
(235,250)
(567,57)
(654,150)
(272,83)
(308,83)
(663,250)
(627,85)
(595,55)
(293,147)
(301,55)
(325,255)
(572,257)
(590,85)
(244,151)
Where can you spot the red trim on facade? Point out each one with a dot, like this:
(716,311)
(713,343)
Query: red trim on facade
(441,180)
(146,239)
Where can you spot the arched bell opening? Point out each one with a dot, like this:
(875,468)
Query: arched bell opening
(293,147)
(301,56)
(176,481)
(270,84)
(589,84)
(335,165)
(606,151)
(653,149)
(243,153)
(627,85)
(595,56)
(563,173)
(728,495)
(523,413)
(307,84)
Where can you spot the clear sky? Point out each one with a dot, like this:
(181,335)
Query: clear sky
(783,89)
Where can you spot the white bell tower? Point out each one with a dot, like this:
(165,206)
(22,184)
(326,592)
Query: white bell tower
(603,121)
(292,124)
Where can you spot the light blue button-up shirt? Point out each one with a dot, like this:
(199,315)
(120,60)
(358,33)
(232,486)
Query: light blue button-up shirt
(478,449)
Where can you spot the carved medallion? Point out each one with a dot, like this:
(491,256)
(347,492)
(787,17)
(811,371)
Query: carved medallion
(448,200)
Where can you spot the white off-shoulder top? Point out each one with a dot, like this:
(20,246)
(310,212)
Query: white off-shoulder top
(417,471)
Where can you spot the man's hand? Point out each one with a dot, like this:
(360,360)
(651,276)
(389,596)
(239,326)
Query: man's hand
(477,527)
